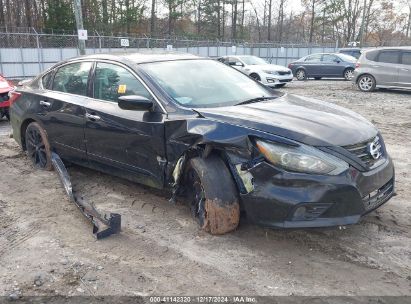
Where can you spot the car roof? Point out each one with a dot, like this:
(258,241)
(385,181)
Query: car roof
(141,56)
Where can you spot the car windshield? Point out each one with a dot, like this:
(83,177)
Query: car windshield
(201,83)
(252,60)
(347,58)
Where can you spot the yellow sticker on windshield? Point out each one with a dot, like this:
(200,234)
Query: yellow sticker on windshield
(122,89)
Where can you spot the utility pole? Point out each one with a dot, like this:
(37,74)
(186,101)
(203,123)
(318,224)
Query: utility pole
(79,22)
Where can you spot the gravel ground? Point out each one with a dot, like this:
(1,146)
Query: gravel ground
(47,248)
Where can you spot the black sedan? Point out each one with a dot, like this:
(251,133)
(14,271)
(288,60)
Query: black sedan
(216,138)
(324,65)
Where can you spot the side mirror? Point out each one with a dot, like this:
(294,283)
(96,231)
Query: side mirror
(135,102)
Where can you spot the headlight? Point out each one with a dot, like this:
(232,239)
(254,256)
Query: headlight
(271,72)
(303,158)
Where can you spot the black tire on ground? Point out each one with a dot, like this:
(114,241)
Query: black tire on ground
(317,78)
(255,76)
(300,74)
(366,83)
(212,194)
(348,73)
(280,85)
(38,147)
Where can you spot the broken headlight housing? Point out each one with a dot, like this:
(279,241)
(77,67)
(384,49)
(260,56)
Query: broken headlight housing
(302,158)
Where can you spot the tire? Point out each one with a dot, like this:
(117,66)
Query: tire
(38,147)
(348,74)
(255,76)
(317,78)
(300,74)
(212,195)
(280,85)
(366,83)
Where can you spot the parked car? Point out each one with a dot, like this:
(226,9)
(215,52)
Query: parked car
(5,87)
(354,52)
(388,68)
(223,142)
(324,65)
(257,68)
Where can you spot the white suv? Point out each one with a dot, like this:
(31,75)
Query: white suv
(268,74)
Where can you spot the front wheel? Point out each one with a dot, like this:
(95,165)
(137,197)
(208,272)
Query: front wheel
(212,195)
(301,74)
(366,83)
(348,74)
(38,147)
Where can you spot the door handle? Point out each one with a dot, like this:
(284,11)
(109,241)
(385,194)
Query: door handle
(45,103)
(405,70)
(92,117)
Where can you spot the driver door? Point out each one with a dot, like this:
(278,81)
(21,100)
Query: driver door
(127,143)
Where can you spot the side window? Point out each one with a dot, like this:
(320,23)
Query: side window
(45,80)
(371,55)
(112,81)
(329,58)
(72,78)
(234,61)
(313,58)
(389,56)
(406,58)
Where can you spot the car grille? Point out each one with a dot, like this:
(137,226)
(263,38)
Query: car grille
(361,150)
(285,80)
(378,197)
(284,73)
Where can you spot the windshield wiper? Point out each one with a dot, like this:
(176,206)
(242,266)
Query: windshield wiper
(257,99)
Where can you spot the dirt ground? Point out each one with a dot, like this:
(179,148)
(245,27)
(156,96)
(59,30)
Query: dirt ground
(47,247)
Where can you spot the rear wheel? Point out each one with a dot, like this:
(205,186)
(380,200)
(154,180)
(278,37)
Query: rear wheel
(38,147)
(348,74)
(301,74)
(366,83)
(212,195)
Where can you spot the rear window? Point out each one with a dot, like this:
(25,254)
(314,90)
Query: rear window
(389,56)
(45,80)
(371,55)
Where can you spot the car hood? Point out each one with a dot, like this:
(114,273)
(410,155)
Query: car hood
(270,67)
(303,119)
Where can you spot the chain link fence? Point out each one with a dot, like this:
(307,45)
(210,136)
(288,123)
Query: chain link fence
(26,54)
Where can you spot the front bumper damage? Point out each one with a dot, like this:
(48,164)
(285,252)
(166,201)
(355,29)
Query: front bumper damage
(294,200)
(104,224)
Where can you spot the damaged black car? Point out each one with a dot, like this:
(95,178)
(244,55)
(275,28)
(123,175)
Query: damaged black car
(223,142)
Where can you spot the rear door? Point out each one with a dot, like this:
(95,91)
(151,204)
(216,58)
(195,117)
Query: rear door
(386,69)
(404,71)
(63,113)
(313,65)
(123,142)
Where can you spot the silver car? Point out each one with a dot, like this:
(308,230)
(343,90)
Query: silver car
(388,68)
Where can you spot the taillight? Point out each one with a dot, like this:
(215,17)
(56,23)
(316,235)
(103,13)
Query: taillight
(357,65)
(289,65)
(13,96)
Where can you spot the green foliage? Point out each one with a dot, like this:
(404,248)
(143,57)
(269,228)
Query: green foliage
(59,15)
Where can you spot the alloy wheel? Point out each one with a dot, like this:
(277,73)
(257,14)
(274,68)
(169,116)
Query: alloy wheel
(349,74)
(36,148)
(300,75)
(366,83)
